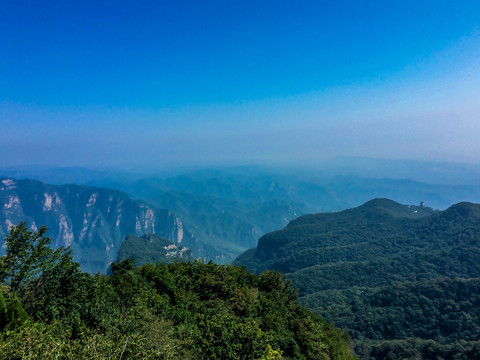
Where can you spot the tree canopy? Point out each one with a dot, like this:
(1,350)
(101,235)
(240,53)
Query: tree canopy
(183,310)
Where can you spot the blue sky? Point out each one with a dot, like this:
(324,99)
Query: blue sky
(153,83)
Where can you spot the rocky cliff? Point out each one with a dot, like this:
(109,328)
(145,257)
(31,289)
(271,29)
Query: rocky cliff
(93,221)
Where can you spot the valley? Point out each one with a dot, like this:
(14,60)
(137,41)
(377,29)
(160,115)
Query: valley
(400,279)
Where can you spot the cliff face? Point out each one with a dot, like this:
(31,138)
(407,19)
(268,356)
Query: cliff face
(93,221)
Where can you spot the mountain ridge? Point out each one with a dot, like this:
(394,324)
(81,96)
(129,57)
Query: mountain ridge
(351,266)
(93,221)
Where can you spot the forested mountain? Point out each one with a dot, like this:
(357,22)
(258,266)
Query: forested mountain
(228,209)
(152,248)
(49,309)
(356,268)
(402,280)
(232,208)
(93,221)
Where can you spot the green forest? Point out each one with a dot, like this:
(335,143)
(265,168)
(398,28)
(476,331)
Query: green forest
(50,309)
(403,281)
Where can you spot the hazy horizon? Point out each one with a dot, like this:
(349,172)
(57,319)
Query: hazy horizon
(151,84)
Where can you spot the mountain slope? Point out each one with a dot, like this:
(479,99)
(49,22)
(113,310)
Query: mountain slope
(151,248)
(228,209)
(93,221)
(232,208)
(384,272)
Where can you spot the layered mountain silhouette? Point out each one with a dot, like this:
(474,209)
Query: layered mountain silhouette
(232,208)
(228,209)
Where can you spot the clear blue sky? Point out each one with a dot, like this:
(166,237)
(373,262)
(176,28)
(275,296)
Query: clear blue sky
(159,82)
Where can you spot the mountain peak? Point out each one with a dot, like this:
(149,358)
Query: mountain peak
(395,209)
(465,210)
(381,202)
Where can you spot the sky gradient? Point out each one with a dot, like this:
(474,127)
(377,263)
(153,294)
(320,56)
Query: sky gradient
(154,83)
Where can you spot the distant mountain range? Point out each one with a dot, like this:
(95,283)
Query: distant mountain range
(232,208)
(228,209)
(93,221)
(428,172)
(398,278)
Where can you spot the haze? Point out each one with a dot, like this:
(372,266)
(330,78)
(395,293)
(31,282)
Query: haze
(149,84)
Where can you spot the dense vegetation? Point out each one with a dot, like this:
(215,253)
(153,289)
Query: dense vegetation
(216,213)
(230,208)
(431,319)
(50,309)
(402,280)
(151,248)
